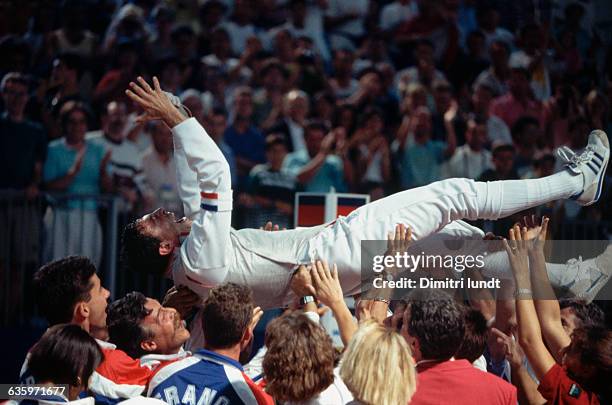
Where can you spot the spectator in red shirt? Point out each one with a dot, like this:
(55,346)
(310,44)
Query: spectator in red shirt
(434,328)
(575,370)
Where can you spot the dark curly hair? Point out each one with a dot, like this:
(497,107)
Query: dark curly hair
(299,363)
(475,338)
(60,285)
(140,252)
(436,320)
(593,346)
(226,314)
(65,354)
(124,320)
(588,313)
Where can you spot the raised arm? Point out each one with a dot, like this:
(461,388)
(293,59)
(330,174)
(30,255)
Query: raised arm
(530,335)
(546,304)
(205,251)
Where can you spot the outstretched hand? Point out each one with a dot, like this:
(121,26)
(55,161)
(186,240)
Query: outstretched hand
(326,285)
(517,250)
(154,102)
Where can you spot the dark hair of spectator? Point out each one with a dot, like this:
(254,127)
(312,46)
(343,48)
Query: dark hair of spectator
(140,252)
(424,42)
(502,148)
(475,338)
(226,314)
(593,345)
(315,125)
(369,113)
(275,139)
(442,85)
(219,111)
(124,319)
(521,125)
(476,33)
(180,31)
(71,106)
(14,77)
(72,61)
(65,354)
(60,285)
(370,69)
(588,313)
(436,321)
(273,63)
(299,363)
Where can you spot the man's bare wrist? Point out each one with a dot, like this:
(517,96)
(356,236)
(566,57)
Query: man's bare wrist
(174,117)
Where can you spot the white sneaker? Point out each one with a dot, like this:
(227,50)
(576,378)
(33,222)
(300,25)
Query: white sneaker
(591,275)
(591,163)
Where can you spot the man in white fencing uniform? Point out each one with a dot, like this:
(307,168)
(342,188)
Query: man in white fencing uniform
(212,252)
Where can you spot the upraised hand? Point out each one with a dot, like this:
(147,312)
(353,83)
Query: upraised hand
(517,251)
(511,349)
(257,314)
(154,102)
(326,284)
(535,232)
(182,299)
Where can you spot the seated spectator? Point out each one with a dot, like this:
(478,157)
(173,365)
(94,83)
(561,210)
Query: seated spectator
(344,22)
(343,83)
(497,75)
(475,339)
(434,327)
(69,291)
(502,156)
(240,25)
(291,126)
(423,72)
(271,188)
(214,373)
(418,156)
(519,101)
(76,166)
(319,167)
(377,366)
(308,377)
(245,140)
(159,170)
(472,159)
(497,130)
(396,12)
(373,162)
(268,99)
(526,134)
(217,125)
(65,355)
(125,163)
(145,330)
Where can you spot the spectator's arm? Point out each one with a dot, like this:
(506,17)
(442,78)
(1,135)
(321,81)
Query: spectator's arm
(451,137)
(530,335)
(62,182)
(527,389)
(326,288)
(316,163)
(546,304)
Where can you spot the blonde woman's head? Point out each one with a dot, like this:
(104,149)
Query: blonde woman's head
(378,367)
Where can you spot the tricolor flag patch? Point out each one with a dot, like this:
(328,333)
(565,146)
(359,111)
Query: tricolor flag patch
(216,202)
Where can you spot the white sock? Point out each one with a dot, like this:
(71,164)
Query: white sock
(498,199)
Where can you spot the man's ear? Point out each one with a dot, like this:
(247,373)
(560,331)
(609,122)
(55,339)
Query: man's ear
(148,345)
(81,312)
(165,248)
(247,337)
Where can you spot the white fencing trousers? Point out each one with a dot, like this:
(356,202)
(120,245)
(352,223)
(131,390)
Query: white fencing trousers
(426,210)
